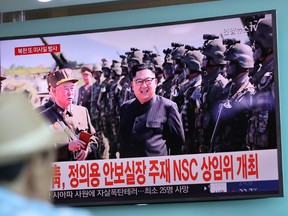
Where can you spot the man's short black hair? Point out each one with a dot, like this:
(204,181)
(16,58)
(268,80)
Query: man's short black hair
(139,67)
(10,172)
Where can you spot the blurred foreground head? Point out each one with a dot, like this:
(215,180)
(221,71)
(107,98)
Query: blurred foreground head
(26,147)
(23,131)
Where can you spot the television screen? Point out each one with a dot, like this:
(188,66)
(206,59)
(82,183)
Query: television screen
(217,136)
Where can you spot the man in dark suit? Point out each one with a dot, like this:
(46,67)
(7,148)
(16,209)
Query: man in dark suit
(150,125)
(72,119)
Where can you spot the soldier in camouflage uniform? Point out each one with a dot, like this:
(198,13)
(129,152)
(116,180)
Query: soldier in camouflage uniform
(102,102)
(124,82)
(96,114)
(262,131)
(134,57)
(211,88)
(177,54)
(147,56)
(157,61)
(113,108)
(235,108)
(84,95)
(179,71)
(189,95)
(165,88)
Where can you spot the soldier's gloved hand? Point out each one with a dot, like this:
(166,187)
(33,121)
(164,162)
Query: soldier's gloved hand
(76,145)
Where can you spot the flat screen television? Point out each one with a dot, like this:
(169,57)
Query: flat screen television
(197,176)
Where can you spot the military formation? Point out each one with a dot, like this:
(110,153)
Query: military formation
(224,91)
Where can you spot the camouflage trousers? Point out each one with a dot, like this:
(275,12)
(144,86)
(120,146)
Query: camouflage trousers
(102,139)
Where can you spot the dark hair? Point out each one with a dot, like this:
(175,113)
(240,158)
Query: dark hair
(10,172)
(139,67)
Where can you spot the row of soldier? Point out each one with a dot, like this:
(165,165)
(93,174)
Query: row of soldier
(224,92)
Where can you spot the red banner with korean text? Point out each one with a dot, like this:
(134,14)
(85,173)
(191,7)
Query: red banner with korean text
(171,170)
(28,50)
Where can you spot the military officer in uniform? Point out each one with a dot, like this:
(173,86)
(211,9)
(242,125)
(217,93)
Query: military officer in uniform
(70,118)
(150,125)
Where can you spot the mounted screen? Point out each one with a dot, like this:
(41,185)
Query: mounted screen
(232,138)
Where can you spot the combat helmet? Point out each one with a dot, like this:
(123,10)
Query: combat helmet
(157,61)
(193,59)
(263,34)
(136,55)
(215,50)
(97,71)
(242,54)
(147,56)
(116,67)
(105,67)
(105,63)
(97,67)
(178,52)
(168,57)
(124,62)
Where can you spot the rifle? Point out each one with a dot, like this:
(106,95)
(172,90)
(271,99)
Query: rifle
(226,104)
